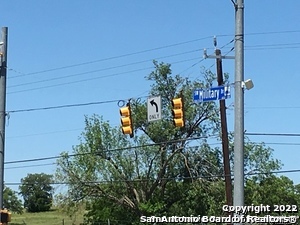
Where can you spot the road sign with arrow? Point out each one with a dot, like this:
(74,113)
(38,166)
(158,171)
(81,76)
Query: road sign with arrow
(154,108)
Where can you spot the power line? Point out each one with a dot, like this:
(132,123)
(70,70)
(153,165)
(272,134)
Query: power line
(79,81)
(112,101)
(273,134)
(45,133)
(57,157)
(103,69)
(168,178)
(109,150)
(115,74)
(273,107)
(21,167)
(142,146)
(39,159)
(94,78)
(148,50)
(139,62)
(72,75)
(201,60)
(282,143)
(272,32)
(62,106)
(114,57)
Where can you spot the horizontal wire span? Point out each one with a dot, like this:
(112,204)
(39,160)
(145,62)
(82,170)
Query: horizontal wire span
(169,178)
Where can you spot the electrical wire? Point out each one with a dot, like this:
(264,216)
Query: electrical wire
(99,70)
(62,106)
(80,81)
(57,157)
(45,133)
(273,134)
(273,107)
(94,78)
(169,178)
(114,57)
(64,67)
(273,45)
(146,145)
(94,71)
(112,101)
(73,105)
(282,143)
(272,32)
(147,50)
(199,61)
(109,150)
(21,167)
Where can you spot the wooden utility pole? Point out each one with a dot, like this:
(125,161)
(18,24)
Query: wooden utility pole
(224,135)
(225,145)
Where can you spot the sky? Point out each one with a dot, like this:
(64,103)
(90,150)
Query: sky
(63,53)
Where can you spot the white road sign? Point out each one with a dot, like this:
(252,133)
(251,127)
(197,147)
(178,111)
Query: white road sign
(154,108)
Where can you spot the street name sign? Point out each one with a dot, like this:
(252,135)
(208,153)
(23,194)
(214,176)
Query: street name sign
(211,94)
(154,108)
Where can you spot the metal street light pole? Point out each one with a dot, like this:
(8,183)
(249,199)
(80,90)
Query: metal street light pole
(238,197)
(3,52)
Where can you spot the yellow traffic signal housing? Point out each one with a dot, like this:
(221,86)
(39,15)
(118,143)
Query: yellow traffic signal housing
(126,120)
(177,112)
(5,216)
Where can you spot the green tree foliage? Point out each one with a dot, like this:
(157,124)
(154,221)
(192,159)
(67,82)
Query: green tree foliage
(11,201)
(37,192)
(273,191)
(163,170)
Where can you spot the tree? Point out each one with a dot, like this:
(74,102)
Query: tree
(273,191)
(156,172)
(37,192)
(162,159)
(11,201)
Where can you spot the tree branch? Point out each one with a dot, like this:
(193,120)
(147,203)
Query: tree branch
(161,173)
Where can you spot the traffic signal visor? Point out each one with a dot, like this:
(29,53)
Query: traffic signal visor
(177,113)
(125,112)
(177,103)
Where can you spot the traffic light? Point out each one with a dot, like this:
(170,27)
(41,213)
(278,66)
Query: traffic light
(126,120)
(178,112)
(5,216)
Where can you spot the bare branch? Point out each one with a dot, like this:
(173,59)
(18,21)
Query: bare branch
(187,166)
(162,173)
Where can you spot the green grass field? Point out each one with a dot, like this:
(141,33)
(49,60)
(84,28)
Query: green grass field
(53,217)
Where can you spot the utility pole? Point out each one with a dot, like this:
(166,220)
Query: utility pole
(224,130)
(225,145)
(238,197)
(3,67)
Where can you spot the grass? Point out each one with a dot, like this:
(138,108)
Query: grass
(53,217)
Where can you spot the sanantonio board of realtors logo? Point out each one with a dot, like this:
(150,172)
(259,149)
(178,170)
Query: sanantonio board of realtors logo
(154,108)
